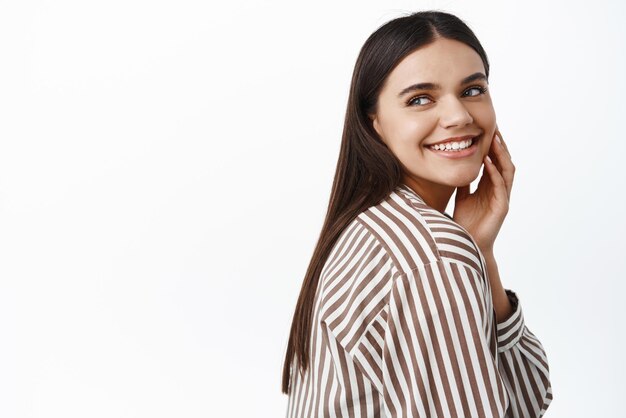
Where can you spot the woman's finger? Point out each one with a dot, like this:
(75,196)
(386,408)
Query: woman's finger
(499,186)
(504,165)
(506,148)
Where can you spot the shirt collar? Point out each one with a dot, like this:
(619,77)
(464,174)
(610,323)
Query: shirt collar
(410,192)
(407,191)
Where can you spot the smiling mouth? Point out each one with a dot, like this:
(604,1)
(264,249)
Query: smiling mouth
(457,149)
(454,146)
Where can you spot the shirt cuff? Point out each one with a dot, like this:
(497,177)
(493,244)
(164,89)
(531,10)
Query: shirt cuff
(510,331)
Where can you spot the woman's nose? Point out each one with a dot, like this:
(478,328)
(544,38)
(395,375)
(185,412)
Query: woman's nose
(454,113)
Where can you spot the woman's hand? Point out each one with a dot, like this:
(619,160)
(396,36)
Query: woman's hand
(482,213)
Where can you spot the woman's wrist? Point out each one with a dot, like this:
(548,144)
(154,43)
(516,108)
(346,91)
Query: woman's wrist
(501,302)
(487,252)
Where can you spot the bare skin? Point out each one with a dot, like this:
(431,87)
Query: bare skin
(482,213)
(408,124)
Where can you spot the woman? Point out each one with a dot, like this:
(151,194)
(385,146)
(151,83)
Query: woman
(402,311)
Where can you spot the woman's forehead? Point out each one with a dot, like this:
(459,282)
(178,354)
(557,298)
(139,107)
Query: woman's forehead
(443,61)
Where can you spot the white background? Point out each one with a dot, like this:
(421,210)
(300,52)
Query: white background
(165,168)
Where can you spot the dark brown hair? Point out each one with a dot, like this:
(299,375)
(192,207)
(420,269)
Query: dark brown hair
(366,171)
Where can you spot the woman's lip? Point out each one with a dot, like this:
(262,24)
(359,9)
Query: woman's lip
(458,154)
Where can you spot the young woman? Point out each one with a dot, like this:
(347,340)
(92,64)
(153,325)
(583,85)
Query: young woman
(402,312)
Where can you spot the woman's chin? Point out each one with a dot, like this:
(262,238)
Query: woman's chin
(452,178)
(461,179)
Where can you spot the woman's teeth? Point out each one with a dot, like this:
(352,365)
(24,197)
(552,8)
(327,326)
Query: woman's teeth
(453,146)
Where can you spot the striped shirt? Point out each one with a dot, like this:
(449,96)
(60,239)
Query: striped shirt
(404,326)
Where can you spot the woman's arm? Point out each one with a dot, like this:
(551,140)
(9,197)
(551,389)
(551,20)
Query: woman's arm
(501,302)
(521,359)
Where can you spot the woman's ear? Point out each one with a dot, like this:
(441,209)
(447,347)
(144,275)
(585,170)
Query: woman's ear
(376,124)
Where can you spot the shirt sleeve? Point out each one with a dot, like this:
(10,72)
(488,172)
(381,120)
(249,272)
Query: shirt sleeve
(431,350)
(523,365)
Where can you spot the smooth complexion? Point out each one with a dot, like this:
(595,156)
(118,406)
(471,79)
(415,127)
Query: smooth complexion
(437,92)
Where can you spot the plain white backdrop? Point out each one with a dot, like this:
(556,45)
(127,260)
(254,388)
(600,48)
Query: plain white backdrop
(165,168)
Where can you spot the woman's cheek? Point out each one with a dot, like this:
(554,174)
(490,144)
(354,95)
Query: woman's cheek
(488,140)
(489,122)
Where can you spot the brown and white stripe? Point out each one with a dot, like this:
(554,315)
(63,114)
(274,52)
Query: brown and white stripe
(404,326)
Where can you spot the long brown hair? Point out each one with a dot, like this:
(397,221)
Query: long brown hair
(367,171)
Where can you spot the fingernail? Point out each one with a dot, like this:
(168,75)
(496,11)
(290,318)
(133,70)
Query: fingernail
(498,139)
(489,159)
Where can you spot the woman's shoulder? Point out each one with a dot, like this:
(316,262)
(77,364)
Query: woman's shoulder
(413,233)
(387,241)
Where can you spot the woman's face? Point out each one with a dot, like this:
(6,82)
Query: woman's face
(411,119)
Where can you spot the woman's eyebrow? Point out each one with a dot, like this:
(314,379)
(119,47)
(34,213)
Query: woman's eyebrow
(434,86)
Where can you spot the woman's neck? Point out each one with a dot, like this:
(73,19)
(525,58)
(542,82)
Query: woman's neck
(434,195)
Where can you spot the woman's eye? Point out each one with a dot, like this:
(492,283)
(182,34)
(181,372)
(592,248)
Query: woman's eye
(479,89)
(415,99)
